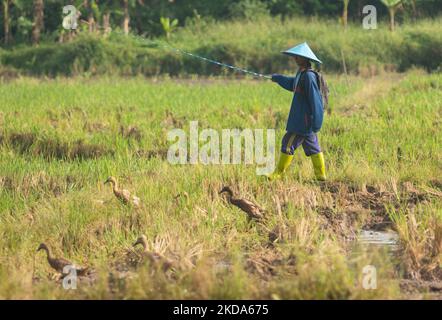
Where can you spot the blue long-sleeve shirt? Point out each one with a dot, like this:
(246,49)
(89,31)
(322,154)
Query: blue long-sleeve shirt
(306,112)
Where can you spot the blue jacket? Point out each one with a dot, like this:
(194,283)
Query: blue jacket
(306,112)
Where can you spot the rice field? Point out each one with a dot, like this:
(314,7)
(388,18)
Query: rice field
(61,139)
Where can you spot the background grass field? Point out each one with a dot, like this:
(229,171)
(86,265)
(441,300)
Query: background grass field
(62,138)
(256,45)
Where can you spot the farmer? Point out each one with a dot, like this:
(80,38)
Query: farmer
(306,112)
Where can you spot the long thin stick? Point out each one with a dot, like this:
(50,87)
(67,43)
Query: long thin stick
(168,46)
(180,51)
(256,74)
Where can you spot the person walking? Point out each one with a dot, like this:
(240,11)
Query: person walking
(306,113)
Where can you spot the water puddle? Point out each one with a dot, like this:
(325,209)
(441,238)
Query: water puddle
(372,243)
(377,239)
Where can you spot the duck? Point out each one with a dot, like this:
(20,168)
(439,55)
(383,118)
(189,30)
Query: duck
(155,258)
(252,209)
(122,194)
(58,264)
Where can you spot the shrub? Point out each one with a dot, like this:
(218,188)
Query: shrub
(254,45)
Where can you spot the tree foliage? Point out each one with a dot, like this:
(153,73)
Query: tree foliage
(17,18)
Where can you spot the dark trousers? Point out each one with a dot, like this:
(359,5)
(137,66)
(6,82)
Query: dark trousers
(291,141)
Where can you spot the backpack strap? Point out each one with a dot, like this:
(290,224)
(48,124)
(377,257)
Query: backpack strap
(323,88)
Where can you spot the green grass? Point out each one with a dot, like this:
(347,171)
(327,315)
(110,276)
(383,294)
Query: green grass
(51,185)
(256,45)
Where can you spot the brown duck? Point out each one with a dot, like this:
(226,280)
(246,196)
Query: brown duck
(155,258)
(58,264)
(253,210)
(122,194)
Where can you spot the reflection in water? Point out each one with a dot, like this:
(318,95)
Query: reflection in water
(389,239)
(370,243)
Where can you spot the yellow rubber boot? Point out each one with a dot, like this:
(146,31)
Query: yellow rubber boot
(283,164)
(319,166)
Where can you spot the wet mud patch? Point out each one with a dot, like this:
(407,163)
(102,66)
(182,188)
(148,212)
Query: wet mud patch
(363,215)
(369,204)
(342,224)
(50,149)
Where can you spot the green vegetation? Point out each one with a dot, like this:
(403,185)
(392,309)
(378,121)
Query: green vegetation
(24,21)
(256,46)
(168,26)
(61,139)
(76,108)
